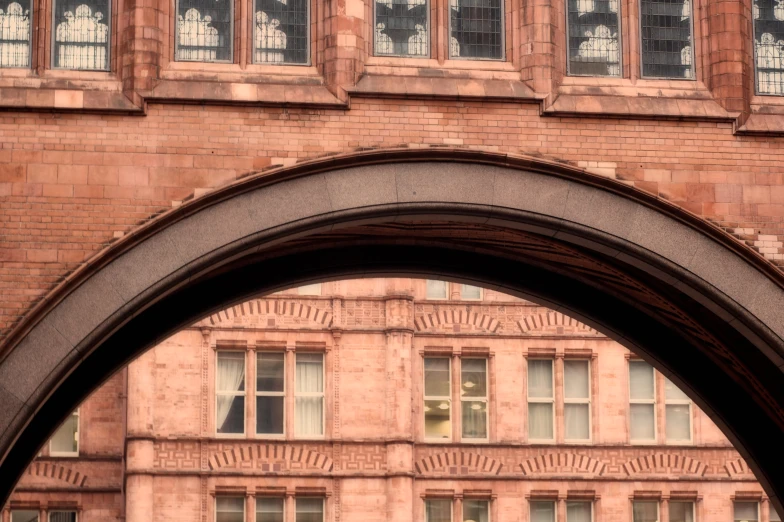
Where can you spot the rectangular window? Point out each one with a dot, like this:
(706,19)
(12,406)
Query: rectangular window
(473,398)
(438,400)
(542,511)
(269,509)
(677,413)
(229,509)
(665,29)
(81,38)
(476,510)
(438,510)
(436,289)
(309,396)
(642,398)
(270,393)
(230,393)
(577,400)
(470,292)
(65,441)
(24,515)
(769,46)
(541,399)
(314,289)
(476,29)
(310,510)
(204,30)
(280,32)
(645,511)
(401,28)
(774,515)
(15,32)
(579,511)
(746,512)
(62,516)
(593,33)
(681,511)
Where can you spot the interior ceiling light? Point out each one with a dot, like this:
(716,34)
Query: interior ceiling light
(468,384)
(443,406)
(475,407)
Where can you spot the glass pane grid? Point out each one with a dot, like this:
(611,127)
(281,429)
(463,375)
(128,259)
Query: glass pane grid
(81,35)
(769,46)
(401,28)
(665,27)
(594,43)
(15,32)
(476,30)
(280,32)
(204,30)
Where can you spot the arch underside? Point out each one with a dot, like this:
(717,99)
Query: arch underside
(641,274)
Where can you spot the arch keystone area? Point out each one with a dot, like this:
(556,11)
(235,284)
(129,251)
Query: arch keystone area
(702,307)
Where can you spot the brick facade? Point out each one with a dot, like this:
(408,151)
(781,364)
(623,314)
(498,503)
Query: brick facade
(150,451)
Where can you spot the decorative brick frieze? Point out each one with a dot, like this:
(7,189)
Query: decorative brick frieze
(666,464)
(266,313)
(563,463)
(272,457)
(57,472)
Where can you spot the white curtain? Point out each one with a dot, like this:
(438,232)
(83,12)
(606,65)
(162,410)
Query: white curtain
(681,512)
(475,419)
(576,380)
(542,511)
(231,378)
(672,392)
(576,421)
(645,511)
(640,380)
(310,391)
(578,511)
(678,423)
(642,424)
(540,378)
(436,289)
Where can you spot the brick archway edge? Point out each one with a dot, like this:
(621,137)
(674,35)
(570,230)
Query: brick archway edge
(68,333)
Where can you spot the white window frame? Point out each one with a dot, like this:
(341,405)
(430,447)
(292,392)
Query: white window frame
(451,508)
(539,400)
(652,401)
(678,402)
(282,499)
(446,283)
(462,286)
(323,506)
(485,400)
(321,394)
(741,501)
(685,501)
(551,501)
(52,512)
(313,288)
(447,398)
(258,394)
(652,501)
(215,510)
(580,401)
(566,507)
(70,454)
(243,393)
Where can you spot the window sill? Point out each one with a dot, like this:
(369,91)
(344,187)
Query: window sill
(766,118)
(39,95)
(230,72)
(418,87)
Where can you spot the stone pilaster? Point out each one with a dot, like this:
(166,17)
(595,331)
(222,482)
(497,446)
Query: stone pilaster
(140,454)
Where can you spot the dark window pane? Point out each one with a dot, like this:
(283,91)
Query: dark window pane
(665,26)
(769,46)
(269,372)
(476,31)
(269,415)
(401,28)
(81,35)
(438,510)
(280,31)
(233,421)
(310,510)
(593,33)
(62,516)
(476,510)
(229,509)
(15,32)
(204,30)
(269,509)
(24,515)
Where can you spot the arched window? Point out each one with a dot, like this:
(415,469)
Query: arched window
(280,31)
(769,46)
(15,33)
(204,31)
(81,34)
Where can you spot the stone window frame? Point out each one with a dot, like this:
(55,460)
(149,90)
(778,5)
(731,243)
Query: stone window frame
(290,348)
(457,499)
(559,420)
(289,493)
(750,497)
(455,355)
(44,509)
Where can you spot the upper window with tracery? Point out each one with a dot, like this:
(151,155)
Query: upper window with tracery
(15,34)
(594,41)
(476,29)
(665,27)
(81,34)
(204,31)
(769,45)
(280,31)
(401,28)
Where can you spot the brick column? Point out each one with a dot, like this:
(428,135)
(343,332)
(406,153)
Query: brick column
(728,54)
(540,55)
(140,448)
(140,43)
(343,44)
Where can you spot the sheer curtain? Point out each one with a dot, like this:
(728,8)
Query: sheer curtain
(231,378)
(62,516)
(576,397)
(578,511)
(310,394)
(540,399)
(542,511)
(645,512)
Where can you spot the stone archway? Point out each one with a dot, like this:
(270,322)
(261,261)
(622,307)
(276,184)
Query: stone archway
(700,306)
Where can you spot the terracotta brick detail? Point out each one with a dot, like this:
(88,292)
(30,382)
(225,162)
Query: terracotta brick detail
(57,471)
(665,463)
(465,461)
(272,456)
(562,463)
